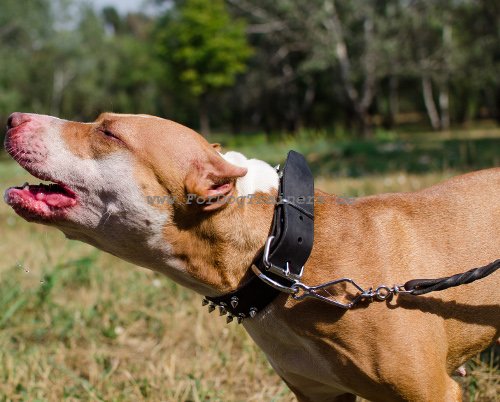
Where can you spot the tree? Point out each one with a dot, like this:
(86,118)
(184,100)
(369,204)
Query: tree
(479,59)
(342,40)
(23,32)
(430,58)
(103,62)
(205,48)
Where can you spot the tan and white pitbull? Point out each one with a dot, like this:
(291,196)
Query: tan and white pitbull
(402,350)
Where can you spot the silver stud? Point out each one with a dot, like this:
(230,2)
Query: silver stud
(241,317)
(222,310)
(234,301)
(229,318)
(253,312)
(211,307)
(204,302)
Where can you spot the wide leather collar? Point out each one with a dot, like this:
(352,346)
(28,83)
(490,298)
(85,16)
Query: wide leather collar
(289,245)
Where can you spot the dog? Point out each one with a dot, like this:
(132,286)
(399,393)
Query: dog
(402,349)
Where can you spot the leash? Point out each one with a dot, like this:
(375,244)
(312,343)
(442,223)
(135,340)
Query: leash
(279,268)
(423,286)
(414,287)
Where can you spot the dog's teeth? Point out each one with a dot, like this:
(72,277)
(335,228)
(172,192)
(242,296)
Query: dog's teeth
(204,302)
(222,310)
(211,308)
(229,319)
(241,317)
(253,312)
(26,186)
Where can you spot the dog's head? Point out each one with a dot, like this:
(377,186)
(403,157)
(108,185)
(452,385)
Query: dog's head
(118,182)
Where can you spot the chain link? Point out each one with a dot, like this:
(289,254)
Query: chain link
(381,293)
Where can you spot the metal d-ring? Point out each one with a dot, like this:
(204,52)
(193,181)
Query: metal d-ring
(271,282)
(265,258)
(275,269)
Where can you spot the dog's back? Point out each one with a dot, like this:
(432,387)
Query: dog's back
(389,239)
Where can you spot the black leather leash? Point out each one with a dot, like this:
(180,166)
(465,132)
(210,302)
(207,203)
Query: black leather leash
(422,286)
(287,249)
(278,268)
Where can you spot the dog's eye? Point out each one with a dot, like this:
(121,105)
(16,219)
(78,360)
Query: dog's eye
(108,133)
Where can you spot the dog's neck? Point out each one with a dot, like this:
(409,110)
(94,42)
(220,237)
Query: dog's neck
(218,248)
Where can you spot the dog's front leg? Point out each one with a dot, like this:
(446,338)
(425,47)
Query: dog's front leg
(301,397)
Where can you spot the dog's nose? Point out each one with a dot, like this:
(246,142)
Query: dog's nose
(16,119)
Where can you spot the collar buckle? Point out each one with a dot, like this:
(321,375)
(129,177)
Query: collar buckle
(275,269)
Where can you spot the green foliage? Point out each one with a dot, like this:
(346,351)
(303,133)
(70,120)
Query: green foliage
(207,48)
(75,65)
(256,65)
(22,31)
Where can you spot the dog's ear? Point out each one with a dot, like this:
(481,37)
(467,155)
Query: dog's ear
(212,182)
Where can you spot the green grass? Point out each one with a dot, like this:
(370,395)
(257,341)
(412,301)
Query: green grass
(332,157)
(78,324)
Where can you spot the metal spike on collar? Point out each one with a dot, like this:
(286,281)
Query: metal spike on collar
(211,307)
(253,312)
(229,318)
(241,317)
(204,302)
(234,301)
(222,310)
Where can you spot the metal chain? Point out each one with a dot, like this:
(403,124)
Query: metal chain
(300,291)
(383,292)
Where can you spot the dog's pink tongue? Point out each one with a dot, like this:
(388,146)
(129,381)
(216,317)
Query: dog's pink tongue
(59,200)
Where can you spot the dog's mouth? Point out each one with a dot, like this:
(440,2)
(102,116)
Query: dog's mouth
(45,201)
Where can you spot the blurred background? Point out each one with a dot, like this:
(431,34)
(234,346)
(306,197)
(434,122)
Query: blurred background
(242,66)
(387,95)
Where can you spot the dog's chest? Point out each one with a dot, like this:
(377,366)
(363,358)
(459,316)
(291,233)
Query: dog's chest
(297,359)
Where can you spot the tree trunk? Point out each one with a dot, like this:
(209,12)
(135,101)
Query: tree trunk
(308,100)
(393,100)
(365,122)
(430,105)
(360,102)
(58,84)
(444,106)
(496,111)
(204,116)
(444,94)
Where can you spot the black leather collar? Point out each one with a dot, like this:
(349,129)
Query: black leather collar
(290,244)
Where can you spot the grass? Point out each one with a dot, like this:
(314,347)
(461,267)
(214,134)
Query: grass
(331,157)
(78,324)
